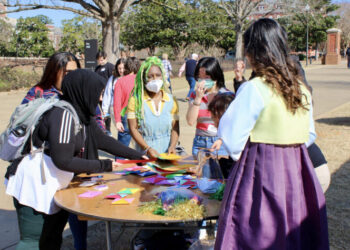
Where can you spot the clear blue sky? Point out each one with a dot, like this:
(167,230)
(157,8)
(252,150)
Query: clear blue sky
(58,15)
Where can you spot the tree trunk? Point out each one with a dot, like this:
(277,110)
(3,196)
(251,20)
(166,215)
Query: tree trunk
(110,39)
(239,41)
(151,50)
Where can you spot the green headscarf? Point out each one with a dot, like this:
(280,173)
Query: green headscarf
(140,82)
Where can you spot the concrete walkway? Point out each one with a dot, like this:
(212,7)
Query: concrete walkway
(331,89)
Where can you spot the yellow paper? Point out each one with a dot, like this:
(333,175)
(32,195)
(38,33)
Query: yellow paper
(121,202)
(170,157)
(134,190)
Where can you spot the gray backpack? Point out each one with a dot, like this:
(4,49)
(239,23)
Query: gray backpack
(23,122)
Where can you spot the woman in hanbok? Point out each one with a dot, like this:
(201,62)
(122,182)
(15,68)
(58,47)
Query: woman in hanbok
(272,198)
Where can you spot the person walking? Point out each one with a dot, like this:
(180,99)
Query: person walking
(272,198)
(348,56)
(190,67)
(167,68)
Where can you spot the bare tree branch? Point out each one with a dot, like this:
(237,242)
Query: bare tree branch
(24,7)
(87,6)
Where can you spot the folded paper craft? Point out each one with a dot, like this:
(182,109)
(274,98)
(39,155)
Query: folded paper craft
(90,194)
(128,191)
(169,157)
(122,201)
(115,196)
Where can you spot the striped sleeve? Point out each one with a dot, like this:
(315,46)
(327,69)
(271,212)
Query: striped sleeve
(65,128)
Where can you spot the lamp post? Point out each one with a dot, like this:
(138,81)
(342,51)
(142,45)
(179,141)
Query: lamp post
(307,8)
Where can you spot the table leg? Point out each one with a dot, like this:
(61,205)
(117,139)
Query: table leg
(108,235)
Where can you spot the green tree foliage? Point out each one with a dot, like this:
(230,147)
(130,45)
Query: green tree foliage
(192,22)
(149,26)
(76,30)
(318,21)
(31,37)
(209,25)
(6,31)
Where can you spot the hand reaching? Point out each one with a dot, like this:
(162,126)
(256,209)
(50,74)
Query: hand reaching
(239,68)
(120,127)
(152,153)
(216,145)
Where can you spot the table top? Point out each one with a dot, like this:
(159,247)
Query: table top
(102,209)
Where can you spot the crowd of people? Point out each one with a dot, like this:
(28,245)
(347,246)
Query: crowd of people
(264,130)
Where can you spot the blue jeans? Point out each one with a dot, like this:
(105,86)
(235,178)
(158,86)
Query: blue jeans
(171,90)
(205,142)
(79,231)
(124,137)
(192,83)
(348,62)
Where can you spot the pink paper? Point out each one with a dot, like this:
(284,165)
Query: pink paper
(134,168)
(115,196)
(90,194)
(155,179)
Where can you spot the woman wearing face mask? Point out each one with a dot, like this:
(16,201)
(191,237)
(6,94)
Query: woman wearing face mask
(211,82)
(153,113)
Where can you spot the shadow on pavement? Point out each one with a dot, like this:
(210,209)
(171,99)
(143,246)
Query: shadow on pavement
(8,231)
(340,121)
(338,200)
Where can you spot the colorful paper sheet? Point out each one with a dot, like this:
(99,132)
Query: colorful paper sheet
(90,194)
(123,201)
(128,190)
(115,196)
(154,179)
(169,157)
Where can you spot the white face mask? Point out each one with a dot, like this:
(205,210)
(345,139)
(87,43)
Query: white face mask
(154,85)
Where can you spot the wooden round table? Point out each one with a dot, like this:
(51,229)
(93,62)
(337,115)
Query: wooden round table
(100,208)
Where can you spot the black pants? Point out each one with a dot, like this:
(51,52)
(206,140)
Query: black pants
(108,123)
(38,230)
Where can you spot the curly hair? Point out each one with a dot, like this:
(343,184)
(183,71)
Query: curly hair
(265,43)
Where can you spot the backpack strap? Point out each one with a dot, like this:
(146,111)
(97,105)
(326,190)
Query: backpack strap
(67,106)
(38,92)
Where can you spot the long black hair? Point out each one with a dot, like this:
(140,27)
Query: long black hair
(265,44)
(116,72)
(56,62)
(212,68)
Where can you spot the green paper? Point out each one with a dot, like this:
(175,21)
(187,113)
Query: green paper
(159,211)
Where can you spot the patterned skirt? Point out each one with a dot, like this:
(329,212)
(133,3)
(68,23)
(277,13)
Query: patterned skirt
(273,200)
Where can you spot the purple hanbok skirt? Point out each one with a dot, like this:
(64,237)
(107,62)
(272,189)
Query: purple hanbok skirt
(273,200)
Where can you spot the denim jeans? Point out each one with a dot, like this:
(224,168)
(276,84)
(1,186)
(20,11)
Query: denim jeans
(79,231)
(348,62)
(124,137)
(205,142)
(192,83)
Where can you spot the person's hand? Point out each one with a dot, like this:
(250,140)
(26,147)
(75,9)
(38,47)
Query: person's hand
(116,165)
(216,145)
(200,90)
(239,70)
(120,127)
(171,150)
(152,153)
(145,157)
